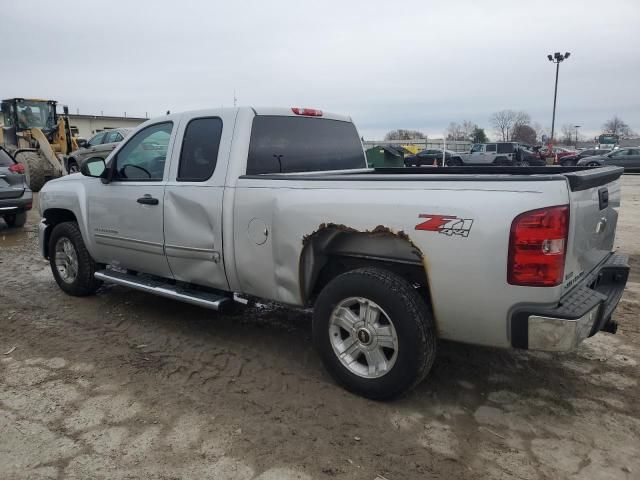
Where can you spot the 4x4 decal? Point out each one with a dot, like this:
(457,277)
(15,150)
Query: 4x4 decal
(446,224)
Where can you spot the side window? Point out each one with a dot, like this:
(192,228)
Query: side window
(96,139)
(144,155)
(620,153)
(491,147)
(200,149)
(112,137)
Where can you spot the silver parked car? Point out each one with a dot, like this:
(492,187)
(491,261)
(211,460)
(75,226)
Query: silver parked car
(100,145)
(629,158)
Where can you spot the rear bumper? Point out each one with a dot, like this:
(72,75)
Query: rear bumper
(16,205)
(581,313)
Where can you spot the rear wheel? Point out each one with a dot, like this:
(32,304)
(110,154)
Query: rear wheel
(34,169)
(454,162)
(71,264)
(593,164)
(374,333)
(16,220)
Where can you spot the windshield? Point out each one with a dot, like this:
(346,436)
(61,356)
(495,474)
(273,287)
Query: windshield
(35,114)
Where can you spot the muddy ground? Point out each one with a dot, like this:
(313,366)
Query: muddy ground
(126,385)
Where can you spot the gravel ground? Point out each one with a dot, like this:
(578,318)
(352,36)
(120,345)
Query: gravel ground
(127,385)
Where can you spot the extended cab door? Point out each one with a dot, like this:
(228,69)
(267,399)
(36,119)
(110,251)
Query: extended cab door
(126,215)
(193,199)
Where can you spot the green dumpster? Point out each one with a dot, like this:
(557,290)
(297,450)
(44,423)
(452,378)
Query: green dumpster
(382,156)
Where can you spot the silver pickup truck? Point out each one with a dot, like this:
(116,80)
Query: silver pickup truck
(209,206)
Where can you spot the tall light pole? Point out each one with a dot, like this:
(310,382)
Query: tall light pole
(577,127)
(556,58)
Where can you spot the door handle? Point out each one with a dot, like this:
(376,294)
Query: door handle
(148,200)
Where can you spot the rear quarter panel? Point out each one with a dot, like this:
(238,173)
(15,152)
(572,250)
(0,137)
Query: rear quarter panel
(467,273)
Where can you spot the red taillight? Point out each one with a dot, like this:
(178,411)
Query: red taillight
(537,247)
(16,168)
(309,112)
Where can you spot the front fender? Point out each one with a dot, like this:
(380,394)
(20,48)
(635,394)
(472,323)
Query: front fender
(67,194)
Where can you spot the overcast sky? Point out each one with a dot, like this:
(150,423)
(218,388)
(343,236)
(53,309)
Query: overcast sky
(388,64)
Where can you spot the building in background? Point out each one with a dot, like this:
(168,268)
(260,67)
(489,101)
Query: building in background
(84,126)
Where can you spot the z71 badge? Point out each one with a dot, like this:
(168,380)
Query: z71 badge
(446,224)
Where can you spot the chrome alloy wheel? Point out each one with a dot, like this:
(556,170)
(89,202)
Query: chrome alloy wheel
(363,337)
(66,260)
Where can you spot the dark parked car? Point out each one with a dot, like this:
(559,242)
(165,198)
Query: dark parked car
(572,160)
(529,158)
(427,157)
(15,196)
(629,158)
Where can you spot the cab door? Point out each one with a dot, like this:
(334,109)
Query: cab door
(126,221)
(193,199)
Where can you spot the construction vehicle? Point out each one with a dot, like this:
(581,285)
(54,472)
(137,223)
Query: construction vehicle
(38,137)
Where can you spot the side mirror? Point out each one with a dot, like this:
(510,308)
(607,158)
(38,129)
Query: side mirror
(82,143)
(94,167)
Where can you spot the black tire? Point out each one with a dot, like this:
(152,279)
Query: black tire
(593,164)
(34,169)
(72,166)
(411,318)
(84,283)
(454,162)
(501,162)
(16,220)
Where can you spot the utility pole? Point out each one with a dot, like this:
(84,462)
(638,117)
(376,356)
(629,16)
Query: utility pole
(235,100)
(577,127)
(556,58)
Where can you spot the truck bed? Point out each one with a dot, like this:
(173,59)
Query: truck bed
(579,178)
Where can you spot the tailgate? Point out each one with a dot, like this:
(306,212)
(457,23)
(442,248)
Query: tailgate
(11,184)
(594,199)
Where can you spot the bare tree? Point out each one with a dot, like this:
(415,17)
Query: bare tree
(402,134)
(524,134)
(617,126)
(502,123)
(455,131)
(568,131)
(505,122)
(521,119)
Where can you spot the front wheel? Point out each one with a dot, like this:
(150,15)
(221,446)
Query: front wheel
(374,333)
(593,164)
(454,162)
(71,264)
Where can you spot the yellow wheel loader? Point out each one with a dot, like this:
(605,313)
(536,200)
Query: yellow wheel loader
(37,137)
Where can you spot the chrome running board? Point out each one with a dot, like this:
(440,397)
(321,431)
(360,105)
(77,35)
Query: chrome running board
(180,293)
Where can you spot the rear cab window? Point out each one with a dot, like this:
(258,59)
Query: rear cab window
(505,148)
(200,146)
(281,144)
